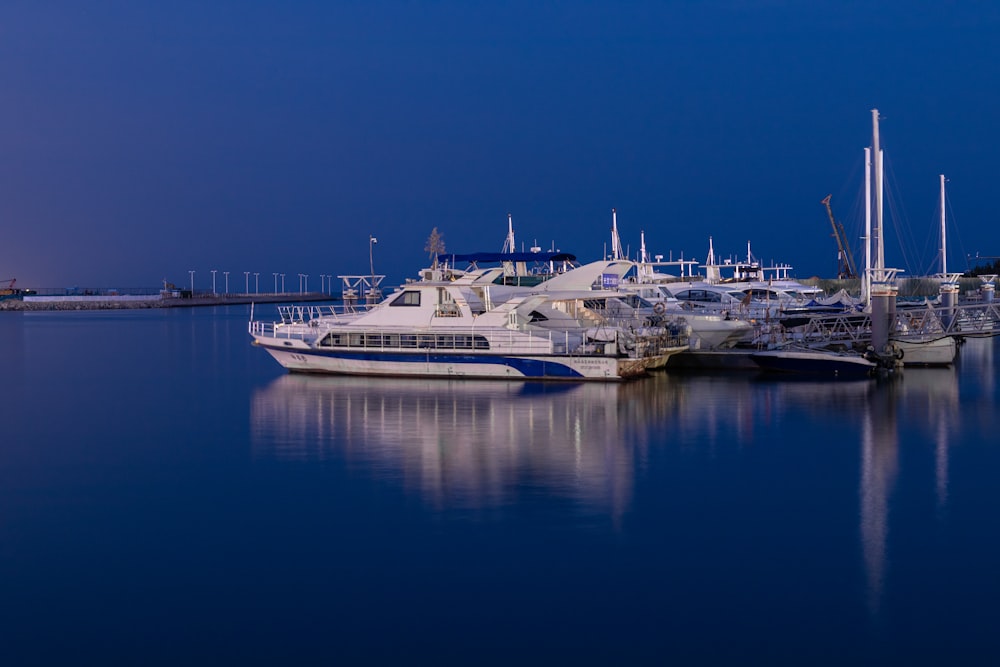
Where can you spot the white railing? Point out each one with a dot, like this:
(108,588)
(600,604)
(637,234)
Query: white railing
(644,342)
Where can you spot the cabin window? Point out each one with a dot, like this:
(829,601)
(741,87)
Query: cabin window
(536,316)
(332,340)
(407,298)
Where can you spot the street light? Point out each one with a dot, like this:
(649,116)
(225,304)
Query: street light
(192,282)
(322,283)
(213,281)
(275,283)
(371,261)
(282,283)
(256,283)
(226,274)
(247,274)
(305,277)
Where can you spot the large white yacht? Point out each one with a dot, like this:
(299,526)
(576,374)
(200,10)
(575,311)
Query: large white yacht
(467,326)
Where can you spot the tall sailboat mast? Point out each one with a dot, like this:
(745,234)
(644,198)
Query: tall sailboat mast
(944,245)
(877,231)
(866,278)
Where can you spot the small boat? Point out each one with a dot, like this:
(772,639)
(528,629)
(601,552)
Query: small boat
(930,351)
(814,362)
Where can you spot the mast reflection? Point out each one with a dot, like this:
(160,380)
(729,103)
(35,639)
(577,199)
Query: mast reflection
(919,408)
(879,467)
(466,443)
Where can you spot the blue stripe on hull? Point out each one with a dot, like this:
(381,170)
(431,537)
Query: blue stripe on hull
(529,368)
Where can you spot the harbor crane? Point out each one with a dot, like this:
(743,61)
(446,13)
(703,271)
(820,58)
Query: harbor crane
(845,265)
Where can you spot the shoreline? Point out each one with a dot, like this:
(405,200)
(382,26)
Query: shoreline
(133,303)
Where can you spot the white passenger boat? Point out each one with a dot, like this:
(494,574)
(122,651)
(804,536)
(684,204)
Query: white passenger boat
(455,328)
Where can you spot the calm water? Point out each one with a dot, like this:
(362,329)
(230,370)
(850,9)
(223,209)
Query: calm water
(169,495)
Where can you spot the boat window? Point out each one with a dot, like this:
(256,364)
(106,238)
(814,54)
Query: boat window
(332,340)
(764,295)
(407,298)
(536,316)
(699,295)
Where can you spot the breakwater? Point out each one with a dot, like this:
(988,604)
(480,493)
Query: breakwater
(126,301)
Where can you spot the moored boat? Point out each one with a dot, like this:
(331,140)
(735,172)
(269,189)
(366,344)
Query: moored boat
(455,328)
(814,362)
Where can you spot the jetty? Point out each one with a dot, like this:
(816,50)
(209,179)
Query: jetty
(115,301)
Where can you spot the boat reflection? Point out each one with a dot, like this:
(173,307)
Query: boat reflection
(479,444)
(466,443)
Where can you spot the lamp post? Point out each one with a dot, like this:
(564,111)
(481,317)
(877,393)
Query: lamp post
(371,260)
(256,283)
(192,282)
(300,283)
(247,274)
(282,283)
(276,283)
(213,281)
(305,278)
(322,283)
(226,274)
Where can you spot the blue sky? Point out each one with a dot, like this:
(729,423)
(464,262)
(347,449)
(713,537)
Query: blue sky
(142,140)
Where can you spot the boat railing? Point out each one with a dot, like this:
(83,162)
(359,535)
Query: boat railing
(909,324)
(642,341)
(303,314)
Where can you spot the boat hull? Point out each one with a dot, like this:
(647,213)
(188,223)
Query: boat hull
(813,363)
(304,359)
(937,352)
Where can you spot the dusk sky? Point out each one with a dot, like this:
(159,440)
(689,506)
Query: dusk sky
(142,139)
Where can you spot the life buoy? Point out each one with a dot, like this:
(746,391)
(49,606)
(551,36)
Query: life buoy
(659,309)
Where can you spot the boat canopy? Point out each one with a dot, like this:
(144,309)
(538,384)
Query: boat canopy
(477,257)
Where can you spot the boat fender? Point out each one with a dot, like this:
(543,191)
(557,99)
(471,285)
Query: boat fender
(899,353)
(659,309)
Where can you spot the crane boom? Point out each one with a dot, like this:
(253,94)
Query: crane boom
(846,267)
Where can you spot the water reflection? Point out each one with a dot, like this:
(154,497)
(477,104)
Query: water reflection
(466,443)
(975,359)
(922,407)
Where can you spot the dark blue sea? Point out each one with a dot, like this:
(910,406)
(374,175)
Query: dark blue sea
(170,496)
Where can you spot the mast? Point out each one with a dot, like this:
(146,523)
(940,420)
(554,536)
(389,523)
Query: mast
(877,231)
(866,278)
(508,244)
(616,244)
(944,246)
(645,271)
